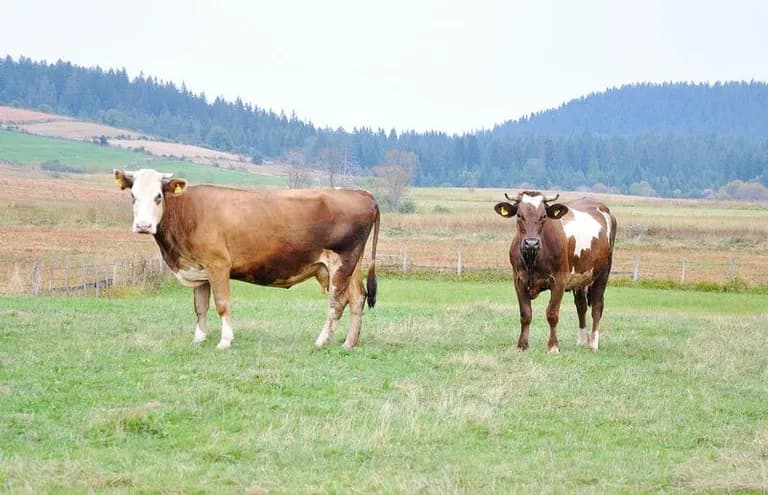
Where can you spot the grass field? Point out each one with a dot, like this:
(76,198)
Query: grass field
(110,396)
(29,149)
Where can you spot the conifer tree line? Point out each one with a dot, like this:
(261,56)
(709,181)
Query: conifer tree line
(675,139)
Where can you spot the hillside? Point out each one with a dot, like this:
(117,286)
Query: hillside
(675,140)
(729,109)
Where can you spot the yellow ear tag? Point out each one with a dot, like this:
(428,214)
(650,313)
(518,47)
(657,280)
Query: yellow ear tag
(177,190)
(504,211)
(119,182)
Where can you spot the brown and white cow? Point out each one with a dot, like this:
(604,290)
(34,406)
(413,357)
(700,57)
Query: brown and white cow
(208,235)
(560,247)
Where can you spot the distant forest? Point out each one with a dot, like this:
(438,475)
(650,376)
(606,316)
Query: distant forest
(674,140)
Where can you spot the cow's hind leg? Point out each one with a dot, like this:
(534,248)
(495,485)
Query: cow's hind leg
(596,296)
(580,299)
(337,301)
(356,296)
(202,301)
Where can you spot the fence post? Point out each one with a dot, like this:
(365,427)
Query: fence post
(732,269)
(682,271)
(50,277)
(114,274)
(83,279)
(636,269)
(67,275)
(36,278)
(458,265)
(96,277)
(405,259)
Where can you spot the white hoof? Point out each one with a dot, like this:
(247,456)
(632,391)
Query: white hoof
(581,337)
(554,350)
(322,340)
(594,341)
(224,344)
(199,337)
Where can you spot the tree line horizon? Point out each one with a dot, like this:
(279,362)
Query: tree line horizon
(673,139)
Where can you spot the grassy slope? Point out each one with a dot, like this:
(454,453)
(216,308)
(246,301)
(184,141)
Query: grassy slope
(28,149)
(110,395)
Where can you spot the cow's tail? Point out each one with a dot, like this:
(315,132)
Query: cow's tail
(371,279)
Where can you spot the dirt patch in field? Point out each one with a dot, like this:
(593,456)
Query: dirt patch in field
(173,149)
(23,184)
(10,115)
(76,130)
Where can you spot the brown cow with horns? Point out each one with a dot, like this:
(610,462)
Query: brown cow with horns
(560,247)
(209,235)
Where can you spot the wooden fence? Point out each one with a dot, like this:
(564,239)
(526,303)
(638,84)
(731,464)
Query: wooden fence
(67,277)
(695,268)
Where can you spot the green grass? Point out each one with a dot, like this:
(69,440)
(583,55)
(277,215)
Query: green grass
(109,395)
(27,149)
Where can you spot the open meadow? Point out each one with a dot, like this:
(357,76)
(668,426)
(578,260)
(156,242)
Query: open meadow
(107,394)
(110,395)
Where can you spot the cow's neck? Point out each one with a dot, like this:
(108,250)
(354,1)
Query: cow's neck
(168,231)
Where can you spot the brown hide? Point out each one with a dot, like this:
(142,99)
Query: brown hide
(264,237)
(549,252)
(557,260)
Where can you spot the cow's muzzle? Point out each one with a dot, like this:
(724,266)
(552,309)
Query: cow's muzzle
(144,228)
(529,248)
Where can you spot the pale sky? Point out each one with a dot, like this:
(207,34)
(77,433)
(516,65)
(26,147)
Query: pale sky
(423,65)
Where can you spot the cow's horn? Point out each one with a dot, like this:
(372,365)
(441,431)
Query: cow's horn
(516,200)
(547,200)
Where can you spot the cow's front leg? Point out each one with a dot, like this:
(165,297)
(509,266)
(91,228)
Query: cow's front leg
(202,301)
(526,314)
(219,281)
(553,316)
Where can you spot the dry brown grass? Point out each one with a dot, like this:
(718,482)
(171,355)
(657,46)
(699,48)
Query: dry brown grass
(85,217)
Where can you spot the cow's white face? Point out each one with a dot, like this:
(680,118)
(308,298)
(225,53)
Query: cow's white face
(147,189)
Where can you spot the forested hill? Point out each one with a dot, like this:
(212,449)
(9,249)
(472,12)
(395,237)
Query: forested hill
(682,140)
(731,109)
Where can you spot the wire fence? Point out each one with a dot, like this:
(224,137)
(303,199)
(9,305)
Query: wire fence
(97,277)
(93,277)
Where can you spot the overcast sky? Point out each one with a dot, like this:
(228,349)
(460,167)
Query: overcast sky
(445,65)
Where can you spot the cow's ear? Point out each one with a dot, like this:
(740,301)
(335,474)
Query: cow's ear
(175,186)
(122,180)
(506,209)
(556,210)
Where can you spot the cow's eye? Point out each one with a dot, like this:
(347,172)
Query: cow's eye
(158,198)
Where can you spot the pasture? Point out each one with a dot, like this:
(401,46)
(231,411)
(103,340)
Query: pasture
(110,395)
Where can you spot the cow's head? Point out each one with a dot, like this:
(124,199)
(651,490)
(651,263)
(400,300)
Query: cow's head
(148,190)
(533,211)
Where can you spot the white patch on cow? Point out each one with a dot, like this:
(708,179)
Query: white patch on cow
(594,341)
(581,337)
(227,334)
(191,277)
(534,201)
(607,224)
(554,350)
(199,335)
(583,228)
